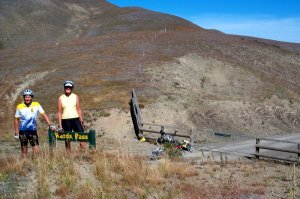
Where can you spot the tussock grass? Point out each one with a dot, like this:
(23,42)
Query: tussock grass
(43,186)
(126,171)
(116,174)
(180,169)
(112,172)
(11,163)
(67,178)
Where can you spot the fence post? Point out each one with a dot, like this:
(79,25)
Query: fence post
(92,139)
(233,139)
(257,148)
(298,159)
(52,143)
(136,115)
(192,137)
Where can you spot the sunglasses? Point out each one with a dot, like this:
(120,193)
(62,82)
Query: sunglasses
(68,87)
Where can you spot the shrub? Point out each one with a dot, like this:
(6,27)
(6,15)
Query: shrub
(172,151)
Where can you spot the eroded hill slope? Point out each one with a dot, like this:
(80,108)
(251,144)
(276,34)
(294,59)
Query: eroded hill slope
(194,77)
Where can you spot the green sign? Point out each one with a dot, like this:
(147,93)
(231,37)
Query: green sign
(72,136)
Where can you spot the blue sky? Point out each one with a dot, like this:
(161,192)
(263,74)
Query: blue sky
(269,19)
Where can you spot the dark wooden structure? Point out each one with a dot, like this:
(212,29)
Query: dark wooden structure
(138,123)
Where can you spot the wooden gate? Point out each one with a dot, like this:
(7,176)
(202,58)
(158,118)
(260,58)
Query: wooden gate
(139,125)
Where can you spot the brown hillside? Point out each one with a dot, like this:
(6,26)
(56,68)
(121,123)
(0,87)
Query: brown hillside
(184,75)
(199,78)
(25,22)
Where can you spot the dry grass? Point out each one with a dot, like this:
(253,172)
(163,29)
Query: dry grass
(43,186)
(180,169)
(9,164)
(100,174)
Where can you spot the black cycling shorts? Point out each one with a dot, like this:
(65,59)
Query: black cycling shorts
(72,124)
(28,135)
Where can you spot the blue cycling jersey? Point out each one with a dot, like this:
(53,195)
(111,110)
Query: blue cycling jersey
(28,115)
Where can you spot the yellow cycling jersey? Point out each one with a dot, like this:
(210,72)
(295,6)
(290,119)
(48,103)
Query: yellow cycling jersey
(28,115)
(69,110)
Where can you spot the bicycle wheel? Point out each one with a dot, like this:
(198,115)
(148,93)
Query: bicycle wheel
(159,141)
(156,153)
(183,152)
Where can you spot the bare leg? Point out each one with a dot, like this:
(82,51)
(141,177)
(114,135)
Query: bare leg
(24,151)
(82,145)
(68,146)
(35,150)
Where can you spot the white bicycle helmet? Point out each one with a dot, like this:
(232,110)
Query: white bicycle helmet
(69,83)
(27,92)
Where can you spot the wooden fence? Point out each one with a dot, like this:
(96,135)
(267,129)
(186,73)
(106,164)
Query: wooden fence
(139,125)
(140,128)
(266,146)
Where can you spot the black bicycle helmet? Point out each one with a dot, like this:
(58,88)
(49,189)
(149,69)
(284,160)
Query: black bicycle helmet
(69,83)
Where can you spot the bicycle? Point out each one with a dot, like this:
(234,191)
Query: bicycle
(171,145)
(165,138)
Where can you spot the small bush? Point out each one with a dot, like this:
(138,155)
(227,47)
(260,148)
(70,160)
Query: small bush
(172,151)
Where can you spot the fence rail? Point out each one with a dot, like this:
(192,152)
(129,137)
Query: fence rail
(259,146)
(158,132)
(139,125)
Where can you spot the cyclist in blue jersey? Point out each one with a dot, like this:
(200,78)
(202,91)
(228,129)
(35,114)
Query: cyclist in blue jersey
(25,123)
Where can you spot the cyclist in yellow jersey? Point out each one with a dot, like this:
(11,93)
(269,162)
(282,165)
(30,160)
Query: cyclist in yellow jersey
(25,123)
(69,113)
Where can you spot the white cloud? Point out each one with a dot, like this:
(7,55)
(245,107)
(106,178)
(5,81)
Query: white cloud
(284,29)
